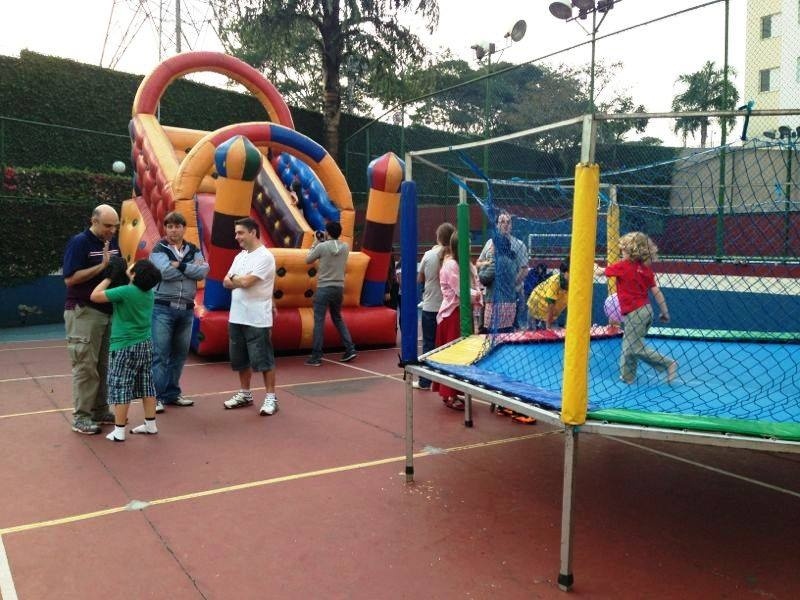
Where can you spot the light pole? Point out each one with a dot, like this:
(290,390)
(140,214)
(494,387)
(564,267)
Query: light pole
(563,10)
(485,50)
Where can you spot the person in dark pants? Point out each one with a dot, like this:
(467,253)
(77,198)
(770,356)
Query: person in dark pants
(181,265)
(429,269)
(332,255)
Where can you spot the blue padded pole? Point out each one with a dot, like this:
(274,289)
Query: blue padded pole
(408,277)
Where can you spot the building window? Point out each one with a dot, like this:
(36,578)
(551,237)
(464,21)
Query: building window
(768,80)
(769,26)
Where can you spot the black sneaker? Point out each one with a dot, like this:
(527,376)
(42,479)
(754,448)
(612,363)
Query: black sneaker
(85,426)
(348,356)
(105,419)
(313,362)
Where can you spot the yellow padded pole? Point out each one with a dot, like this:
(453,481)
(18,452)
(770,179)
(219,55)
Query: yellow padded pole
(575,392)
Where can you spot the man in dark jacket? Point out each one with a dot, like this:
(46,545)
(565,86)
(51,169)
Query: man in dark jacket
(88,324)
(182,265)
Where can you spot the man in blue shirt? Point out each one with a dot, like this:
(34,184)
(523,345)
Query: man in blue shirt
(88,324)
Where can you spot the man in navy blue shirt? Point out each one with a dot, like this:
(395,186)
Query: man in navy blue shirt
(88,325)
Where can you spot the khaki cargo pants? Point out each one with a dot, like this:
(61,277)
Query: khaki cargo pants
(88,336)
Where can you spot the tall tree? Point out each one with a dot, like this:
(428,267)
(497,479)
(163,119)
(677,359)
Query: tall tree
(304,45)
(705,90)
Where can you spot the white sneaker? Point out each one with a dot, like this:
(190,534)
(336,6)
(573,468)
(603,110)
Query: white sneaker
(159,406)
(270,407)
(238,400)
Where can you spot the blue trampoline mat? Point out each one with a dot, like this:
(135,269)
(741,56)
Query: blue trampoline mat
(716,378)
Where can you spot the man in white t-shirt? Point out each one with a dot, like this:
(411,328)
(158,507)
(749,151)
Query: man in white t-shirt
(251,277)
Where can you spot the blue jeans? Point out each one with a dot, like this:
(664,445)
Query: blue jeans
(172,332)
(329,298)
(428,339)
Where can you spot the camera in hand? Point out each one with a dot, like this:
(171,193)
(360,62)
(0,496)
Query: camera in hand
(320,235)
(116,270)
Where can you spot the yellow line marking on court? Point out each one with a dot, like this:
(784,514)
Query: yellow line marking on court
(271,481)
(36,412)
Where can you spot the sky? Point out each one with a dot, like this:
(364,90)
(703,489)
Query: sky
(113,33)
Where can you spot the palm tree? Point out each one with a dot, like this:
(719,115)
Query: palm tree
(705,90)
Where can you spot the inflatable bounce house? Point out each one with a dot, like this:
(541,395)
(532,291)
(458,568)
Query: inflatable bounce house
(251,169)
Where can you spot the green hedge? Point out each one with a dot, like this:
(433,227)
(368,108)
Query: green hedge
(94,104)
(34,232)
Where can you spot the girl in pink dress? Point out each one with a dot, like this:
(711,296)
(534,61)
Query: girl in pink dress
(448,319)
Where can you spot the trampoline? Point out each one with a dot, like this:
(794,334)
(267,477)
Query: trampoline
(715,391)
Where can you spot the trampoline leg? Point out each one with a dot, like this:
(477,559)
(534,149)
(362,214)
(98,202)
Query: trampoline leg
(565,578)
(409,430)
(467,410)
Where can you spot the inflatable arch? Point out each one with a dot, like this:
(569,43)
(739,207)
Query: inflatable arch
(214,178)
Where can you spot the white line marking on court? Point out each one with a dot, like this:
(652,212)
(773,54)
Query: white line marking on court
(31,348)
(34,378)
(220,393)
(700,465)
(7,589)
(62,375)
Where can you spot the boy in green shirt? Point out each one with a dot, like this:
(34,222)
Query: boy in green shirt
(131,349)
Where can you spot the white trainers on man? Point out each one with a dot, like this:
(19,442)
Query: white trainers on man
(239,399)
(270,406)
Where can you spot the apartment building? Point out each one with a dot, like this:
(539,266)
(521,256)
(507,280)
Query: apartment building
(772,60)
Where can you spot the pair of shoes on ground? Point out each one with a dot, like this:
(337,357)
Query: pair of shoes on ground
(454,402)
(85,426)
(348,356)
(515,416)
(179,401)
(417,386)
(146,428)
(106,418)
(241,399)
(317,362)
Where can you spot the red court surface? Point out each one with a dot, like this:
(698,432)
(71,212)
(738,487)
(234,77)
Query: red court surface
(312,502)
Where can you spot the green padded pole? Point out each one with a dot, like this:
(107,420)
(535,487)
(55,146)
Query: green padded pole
(464,264)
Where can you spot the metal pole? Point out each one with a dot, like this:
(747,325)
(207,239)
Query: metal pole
(178,26)
(409,429)
(485,223)
(565,577)
(591,74)
(402,129)
(486,109)
(787,197)
(720,237)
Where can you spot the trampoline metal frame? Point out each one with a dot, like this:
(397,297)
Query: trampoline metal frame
(571,436)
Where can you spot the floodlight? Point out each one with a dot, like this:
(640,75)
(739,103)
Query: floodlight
(586,5)
(603,6)
(785,132)
(770,134)
(517,31)
(561,10)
